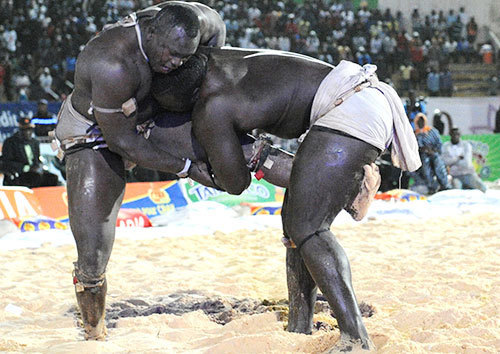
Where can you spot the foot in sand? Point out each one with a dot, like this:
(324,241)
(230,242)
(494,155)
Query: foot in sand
(347,344)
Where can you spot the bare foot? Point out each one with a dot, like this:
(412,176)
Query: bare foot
(96,333)
(347,344)
(369,187)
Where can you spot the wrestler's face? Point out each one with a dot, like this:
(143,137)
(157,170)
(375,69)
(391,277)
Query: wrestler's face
(172,50)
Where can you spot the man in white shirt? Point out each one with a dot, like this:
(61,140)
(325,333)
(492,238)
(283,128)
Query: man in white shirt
(457,155)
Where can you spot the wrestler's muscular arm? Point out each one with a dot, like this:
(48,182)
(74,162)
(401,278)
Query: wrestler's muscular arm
(212,27)
(215,129)
(113,83)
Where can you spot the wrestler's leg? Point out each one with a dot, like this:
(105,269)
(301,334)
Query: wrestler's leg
(95,185)
(302,289)
(326,177)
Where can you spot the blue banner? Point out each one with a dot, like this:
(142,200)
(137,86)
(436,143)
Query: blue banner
(10,112)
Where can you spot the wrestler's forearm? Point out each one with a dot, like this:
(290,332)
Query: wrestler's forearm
(146,154)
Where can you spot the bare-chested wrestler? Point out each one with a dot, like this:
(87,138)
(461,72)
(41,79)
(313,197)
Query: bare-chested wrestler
(97,129)
(349,117)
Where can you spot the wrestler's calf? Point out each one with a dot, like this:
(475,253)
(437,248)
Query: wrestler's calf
(91,297)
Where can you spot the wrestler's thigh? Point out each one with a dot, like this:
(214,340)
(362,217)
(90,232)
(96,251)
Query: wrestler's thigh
(95,186)
(326,176)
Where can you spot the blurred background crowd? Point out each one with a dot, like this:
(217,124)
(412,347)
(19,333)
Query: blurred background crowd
(40,39)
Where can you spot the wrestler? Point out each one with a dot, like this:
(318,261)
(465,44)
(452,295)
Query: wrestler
(97,129)
(349,117)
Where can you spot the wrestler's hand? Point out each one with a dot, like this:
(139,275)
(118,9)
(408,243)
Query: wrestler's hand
(199,172)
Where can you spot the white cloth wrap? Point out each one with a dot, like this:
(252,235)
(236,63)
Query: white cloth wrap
(375,114)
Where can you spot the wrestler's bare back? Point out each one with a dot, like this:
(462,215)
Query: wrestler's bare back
(270,90)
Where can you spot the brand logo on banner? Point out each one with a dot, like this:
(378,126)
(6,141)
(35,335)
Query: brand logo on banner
(159,199)
(258,191)
(159,196)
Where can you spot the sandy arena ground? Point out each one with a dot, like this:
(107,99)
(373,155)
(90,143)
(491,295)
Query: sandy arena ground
(435,287)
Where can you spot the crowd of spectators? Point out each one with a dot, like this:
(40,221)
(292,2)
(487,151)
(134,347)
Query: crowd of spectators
(40,39)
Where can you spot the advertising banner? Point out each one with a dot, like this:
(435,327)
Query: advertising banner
(18,202)
(159,198)
(150,198)
(259,191)
(485,154)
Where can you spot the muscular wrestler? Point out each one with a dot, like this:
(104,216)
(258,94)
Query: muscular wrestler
(97,129)
(349,117)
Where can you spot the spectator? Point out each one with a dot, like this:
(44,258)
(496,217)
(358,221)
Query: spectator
(3,76)
(437,121)
(456,30)
(464,18)
(376,47)
(471,29)
(389,44)
(451,18)
(493,81)
(497,122)
(46,34)
(45,80)
(44,120)
(446,83)
(434,55)
(362,57)
(457,155)
(21,159)
(10,38)
(486,52)
(464,51)
(433,168)
(406,77)
(433,83)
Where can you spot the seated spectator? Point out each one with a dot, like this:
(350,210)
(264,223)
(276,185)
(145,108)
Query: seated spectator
(21,159)
(457,155)
(433,168)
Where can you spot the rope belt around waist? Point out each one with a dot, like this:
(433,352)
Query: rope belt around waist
(77,143)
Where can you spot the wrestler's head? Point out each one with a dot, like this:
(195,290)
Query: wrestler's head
(173,36)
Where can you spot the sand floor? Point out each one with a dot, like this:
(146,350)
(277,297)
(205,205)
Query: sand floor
(435,287)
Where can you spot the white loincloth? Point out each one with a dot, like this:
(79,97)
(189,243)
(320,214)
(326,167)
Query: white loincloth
(375,114)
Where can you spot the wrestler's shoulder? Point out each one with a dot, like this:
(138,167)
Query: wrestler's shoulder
(107,51)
